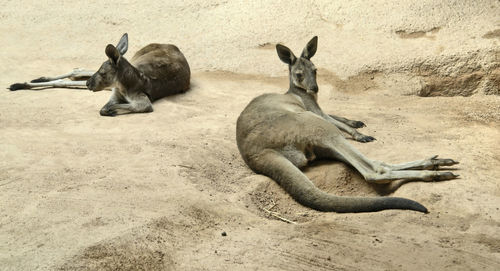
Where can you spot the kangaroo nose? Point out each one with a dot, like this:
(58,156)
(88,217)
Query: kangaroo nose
(315,88)
(88,83)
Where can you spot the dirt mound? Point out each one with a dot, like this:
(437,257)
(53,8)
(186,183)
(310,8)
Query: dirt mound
(133,253)
(460,75)
(152,246)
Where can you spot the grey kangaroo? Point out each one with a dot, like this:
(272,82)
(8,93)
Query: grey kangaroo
(155,71)
(277,134)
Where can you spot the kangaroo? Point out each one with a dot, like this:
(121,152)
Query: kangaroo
(155,71)
(278,134)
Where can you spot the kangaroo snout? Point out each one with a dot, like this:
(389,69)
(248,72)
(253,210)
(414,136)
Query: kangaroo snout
(313,90)
(88,83)
(91,84)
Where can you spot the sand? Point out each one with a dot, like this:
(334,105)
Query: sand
(157,191)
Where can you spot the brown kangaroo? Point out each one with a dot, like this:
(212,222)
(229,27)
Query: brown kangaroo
(277,134)
(155,71)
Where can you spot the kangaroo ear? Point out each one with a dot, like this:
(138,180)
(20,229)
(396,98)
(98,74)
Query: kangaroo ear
(285,54)
(112,53)
(310,49)
(122,45)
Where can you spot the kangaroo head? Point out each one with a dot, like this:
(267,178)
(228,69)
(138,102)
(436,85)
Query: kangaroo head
(302,70)
(106,75)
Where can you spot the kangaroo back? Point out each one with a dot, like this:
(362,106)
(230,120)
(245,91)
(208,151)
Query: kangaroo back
(167,68)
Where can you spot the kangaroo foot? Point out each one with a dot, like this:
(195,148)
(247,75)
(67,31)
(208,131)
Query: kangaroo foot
(443,176)
(435,163)
(356,124)
(108,112)
(363,138)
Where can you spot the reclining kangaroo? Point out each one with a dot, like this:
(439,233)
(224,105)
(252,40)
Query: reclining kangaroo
(155,71)
(277,134)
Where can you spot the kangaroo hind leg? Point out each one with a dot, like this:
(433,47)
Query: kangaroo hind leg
(379,172)
(78,78)
(77,74)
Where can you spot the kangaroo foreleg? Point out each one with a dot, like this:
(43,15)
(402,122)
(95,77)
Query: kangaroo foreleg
(140,104)
(116,98)
(351,131)
(120,109)
(351,123)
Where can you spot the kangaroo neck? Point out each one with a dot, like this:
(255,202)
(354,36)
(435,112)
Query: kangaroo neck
(309,100)
(303,94)
(130,78)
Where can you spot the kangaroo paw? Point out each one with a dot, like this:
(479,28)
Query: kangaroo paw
(108,112)
(357,124)
(363,138)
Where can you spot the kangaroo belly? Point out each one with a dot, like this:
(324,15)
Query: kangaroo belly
(282,125)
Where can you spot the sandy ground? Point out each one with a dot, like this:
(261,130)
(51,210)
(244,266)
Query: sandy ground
(156,191)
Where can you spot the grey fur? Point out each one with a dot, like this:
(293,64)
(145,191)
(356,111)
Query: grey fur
(155,71)
(278,134)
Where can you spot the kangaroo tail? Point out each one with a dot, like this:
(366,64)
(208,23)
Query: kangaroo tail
(276,166)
